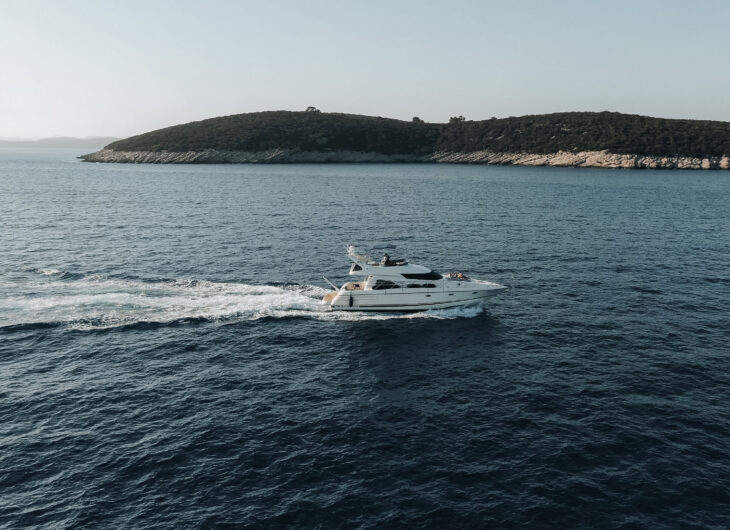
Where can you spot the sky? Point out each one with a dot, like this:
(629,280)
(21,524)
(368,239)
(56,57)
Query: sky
(118,68)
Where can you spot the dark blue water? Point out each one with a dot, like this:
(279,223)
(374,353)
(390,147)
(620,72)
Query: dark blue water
(163,362)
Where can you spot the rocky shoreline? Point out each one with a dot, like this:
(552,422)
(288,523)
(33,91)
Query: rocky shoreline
(599,159)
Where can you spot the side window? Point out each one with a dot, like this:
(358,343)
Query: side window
(433,275)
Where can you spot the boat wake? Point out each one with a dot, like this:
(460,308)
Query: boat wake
(93,302)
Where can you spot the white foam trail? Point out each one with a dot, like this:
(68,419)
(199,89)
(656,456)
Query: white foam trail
(95,302)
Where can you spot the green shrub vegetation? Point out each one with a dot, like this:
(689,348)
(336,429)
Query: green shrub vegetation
(546,133)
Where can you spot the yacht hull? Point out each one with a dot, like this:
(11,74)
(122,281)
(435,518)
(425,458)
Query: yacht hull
(384,301)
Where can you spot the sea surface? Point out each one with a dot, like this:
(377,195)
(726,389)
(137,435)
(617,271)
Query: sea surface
(164,364)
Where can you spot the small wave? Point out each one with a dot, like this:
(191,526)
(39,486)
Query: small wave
(48,272)
(57,273)
(29,326)
(645,290)
(717,280)
(95,302)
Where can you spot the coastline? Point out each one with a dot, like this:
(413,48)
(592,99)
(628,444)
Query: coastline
(597,159)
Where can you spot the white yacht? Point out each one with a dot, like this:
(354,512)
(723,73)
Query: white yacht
(396,285)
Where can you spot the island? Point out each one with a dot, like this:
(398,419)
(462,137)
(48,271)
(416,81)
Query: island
(569,139)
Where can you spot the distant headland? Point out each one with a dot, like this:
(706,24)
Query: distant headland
(93,142)
(570,139)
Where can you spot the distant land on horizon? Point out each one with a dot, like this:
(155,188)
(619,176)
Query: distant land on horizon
(574,139)
(93,142)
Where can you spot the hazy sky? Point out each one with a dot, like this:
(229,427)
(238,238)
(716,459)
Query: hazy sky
(124,67)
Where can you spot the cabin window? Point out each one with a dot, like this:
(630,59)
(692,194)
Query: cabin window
(414,285)
(433,275)
(429,285)
(384,284)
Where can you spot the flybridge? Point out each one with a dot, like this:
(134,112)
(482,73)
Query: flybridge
(366,262)
(368,255)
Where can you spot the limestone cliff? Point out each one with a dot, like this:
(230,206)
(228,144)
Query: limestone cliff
(602,159)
